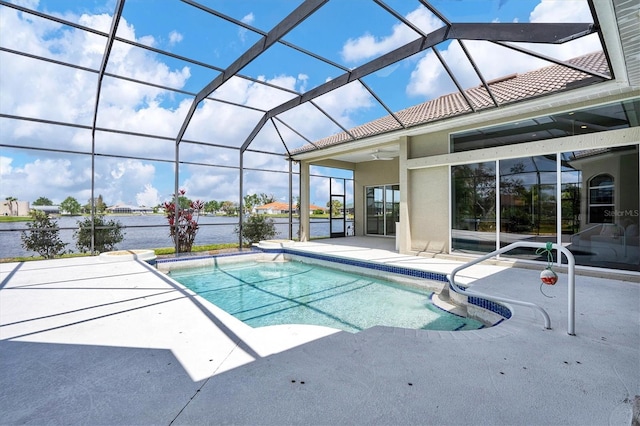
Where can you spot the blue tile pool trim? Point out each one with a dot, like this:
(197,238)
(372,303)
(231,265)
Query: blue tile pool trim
(364,264)
(490,305)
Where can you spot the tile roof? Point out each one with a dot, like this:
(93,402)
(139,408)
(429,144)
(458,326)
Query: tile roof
(276,205)
(509,89)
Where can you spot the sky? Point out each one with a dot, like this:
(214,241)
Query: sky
(133,170)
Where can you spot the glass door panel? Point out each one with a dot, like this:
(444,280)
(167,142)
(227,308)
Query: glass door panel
(474,207)
(528,203)
(374,207)
(601,207)
(391,208)
(337,217)
(382,209)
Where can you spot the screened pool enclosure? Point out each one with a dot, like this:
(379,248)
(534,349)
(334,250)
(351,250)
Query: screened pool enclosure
(132,101)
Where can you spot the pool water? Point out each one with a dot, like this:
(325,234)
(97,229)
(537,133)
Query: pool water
(271,293)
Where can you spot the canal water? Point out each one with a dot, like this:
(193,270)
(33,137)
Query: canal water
(148,232)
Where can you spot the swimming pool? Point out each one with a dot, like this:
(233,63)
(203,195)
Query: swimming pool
(291,292)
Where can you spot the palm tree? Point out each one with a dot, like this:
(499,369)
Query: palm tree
(11,200)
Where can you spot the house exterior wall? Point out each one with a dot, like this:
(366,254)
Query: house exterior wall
(429,209)
(429,144)
(14,208)
(423,172)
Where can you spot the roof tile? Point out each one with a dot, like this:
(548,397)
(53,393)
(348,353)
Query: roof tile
(517,87)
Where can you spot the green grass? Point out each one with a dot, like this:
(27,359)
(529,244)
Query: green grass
(15,218)
(197,249)
(164,251)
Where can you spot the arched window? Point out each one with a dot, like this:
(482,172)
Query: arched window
(601,199)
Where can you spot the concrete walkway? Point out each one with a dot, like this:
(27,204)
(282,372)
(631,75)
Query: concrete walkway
(88,342)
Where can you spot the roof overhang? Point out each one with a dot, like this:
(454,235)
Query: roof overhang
(619,21)
(361,150)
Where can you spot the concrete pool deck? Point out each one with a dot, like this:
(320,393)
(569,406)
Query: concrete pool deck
(90,342)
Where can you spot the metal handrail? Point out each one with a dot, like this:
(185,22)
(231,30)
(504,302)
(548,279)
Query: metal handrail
(547,321)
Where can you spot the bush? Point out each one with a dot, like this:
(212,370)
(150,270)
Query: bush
(107,234)
(43,236)
(257,227)
(187,221)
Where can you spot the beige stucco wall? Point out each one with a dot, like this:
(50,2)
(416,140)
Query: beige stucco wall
(428,144)
(368,174)
(429,209)
(14,208)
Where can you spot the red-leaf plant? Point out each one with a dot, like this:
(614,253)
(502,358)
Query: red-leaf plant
(187,220)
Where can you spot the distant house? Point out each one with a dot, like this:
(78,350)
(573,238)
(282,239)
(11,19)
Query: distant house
(127,209)
(47,209)
(278,207)
(14,208)
(313,208)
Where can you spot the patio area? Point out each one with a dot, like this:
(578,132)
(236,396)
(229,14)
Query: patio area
(85,342)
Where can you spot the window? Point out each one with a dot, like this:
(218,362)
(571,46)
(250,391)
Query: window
(614,116)
(601,192)
(382,205)
(599,214)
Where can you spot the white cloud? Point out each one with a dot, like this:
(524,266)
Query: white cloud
(341,102)
(50,177)
(220,186)
(242,32)
(429,79)
(561,11)
(175,38)
(56,177)
(121,181)
(5,165)
(123,104)
(248,18)
(31,4)
(148,197)
(368,46)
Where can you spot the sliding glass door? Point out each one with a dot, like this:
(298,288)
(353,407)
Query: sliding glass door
(474,207)
(587,200)
(528,202)
(382,204)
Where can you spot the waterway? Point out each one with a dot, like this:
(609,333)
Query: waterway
(147,231)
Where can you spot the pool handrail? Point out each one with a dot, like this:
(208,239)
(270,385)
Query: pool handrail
(518,244)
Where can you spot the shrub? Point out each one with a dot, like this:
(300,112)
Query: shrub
(187,222)
(257,227)
(107,233)
(43,236)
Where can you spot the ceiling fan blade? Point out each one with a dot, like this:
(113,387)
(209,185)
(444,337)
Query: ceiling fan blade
(376,157)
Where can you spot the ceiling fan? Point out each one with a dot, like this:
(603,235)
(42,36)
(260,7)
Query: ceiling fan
(381,155)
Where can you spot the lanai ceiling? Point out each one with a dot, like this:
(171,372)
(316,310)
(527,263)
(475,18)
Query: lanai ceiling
(279,81)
